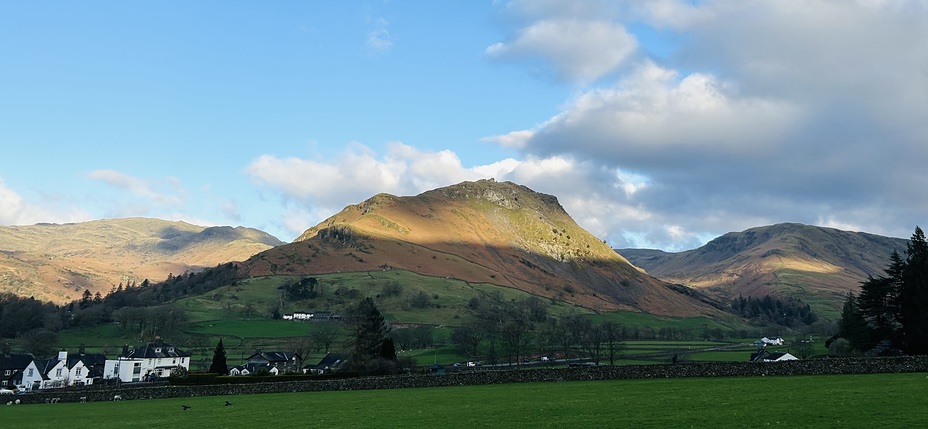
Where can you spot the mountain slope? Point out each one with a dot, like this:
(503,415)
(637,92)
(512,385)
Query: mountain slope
(818,265)
(484,231)
(58,262)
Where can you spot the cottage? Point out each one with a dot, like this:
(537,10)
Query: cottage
(12,368)
(156,359)
(253,369)
(331,362)
(766,356)
(280,362)
(772,341)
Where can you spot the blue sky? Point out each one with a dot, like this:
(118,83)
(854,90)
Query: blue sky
(657,123)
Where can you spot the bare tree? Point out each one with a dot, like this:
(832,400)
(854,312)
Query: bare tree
(612,336)
(324,335)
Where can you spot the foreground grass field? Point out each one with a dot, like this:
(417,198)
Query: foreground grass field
(883,400)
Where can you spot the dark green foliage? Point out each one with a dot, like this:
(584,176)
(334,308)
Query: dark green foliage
(790,312)
(914,295)
(853,327)
(19,315)
(219,365)
(387,349)
(366,333)
(302,289)
(895,307)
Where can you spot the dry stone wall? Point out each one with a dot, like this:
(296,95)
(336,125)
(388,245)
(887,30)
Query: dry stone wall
(486,376)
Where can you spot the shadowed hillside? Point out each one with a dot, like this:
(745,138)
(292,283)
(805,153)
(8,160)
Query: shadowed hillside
(817,265)
(484,231)
(58,262)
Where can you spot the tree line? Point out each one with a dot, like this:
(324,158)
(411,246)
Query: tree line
(891,311)
(34,324)
(790,312)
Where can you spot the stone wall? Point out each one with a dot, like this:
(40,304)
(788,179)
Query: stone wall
(488,376)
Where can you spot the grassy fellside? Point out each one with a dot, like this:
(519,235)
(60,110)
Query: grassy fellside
(847,401)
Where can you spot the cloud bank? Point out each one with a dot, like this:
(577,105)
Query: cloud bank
(758,113)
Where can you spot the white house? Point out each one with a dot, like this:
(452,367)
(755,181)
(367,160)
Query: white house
(65,370)
(84,367)
(772,341)
(51,373)
(765,356)
(155,359)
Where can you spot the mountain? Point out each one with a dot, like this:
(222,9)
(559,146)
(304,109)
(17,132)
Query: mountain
(58,262)
(484,232)
(815,264)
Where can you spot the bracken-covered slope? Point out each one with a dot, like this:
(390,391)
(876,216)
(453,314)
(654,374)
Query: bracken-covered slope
(58,262)
(818,265)
(485,231)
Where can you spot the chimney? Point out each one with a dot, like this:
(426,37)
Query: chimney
(125,350)
(80,350)
(63,355)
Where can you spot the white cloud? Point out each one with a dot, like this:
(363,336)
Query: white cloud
(379,40)
(15,210)
(577,49)
(142,188)
(766,112)
(512,140)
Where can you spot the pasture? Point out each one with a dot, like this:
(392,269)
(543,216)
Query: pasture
(846,401)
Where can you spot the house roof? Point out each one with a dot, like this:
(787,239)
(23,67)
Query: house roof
(15,361)
(330,360)
(274,357)
(89,359)
(45,366)
(156,349)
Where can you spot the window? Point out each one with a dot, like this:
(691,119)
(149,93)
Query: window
(58,373)
(30,372)
(77,372)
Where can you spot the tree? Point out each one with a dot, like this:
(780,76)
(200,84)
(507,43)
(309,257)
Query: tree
(893,307)
(39,342)
(468,338)
(324,335)
(366,333)
(219,365)
(914,295)
(852,326)
(612,335)
(803,348)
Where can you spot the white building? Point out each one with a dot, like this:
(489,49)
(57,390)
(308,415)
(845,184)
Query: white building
(153,360)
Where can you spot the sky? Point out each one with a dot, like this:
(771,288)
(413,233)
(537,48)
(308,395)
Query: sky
(657,124)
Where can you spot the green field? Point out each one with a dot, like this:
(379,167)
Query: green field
(848,401)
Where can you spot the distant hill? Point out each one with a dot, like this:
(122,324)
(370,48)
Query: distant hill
(58,262)
(815,264)
(485,231)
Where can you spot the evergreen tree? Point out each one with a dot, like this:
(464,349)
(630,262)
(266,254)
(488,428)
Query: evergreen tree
(914,295)
(219,365)
(852,326)
(367,331)
(388,350)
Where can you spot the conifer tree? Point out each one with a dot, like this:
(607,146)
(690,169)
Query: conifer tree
(219,365)
(914,296)
(367,331)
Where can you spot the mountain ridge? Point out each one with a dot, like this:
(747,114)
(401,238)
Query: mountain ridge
(484,231)
(57,262)
(816,264)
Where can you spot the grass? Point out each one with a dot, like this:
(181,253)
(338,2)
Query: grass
(848,401)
